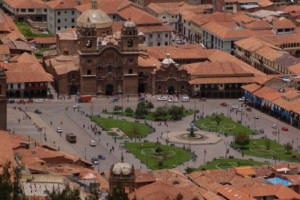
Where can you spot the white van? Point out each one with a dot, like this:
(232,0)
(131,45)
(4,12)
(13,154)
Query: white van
(93,143)
(185,99)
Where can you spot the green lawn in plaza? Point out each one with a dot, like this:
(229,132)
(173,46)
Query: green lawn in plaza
(228,163)
(166,158)
(225,125)
(132,129)
(27,32)
(148,116)
(258,148)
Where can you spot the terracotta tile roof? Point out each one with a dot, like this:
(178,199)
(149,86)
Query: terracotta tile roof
(144,60)
(239,181)
(65,68)
(70,35)
(267,93)
(251,87)
(18,4)
(171,176)
(206,182)
(4,49)
(295,68)
(27,76)
(160,190)
(7,24)
(117,26)
(226,33)
(232,193)
(144,177)
(293,179)
(282,23)
(246,171)
(156,28)
(258,25)
(253,44)
(223,80)
(219,69)
(45,40)
(137,15)
(212,196)
(265,3)
(65,4)
(147,2)
(177,52)
(108,6)
(280,39)
(278,191)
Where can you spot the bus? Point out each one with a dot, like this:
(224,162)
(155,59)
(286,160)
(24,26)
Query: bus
(71,137)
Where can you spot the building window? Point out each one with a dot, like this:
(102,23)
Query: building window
(73,20)
(23,10)
(130,71)
(58,13)
(58,20)
(19,86)
(89,61)
(11,86)
(150,35)
(89,44)
(45,10)
(73,12)
(66,27)
(167,35)
(31,10)
(89,72)
(129,43)
(166,43)
(158,35)
(65,20)
(58,28)
(130,60)
(109,69)
(65,12)
(158,44)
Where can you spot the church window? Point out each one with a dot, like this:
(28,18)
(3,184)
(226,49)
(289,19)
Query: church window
(129,43)
(182,87)
(89,44)
(109,69)
(89,61)
(141,74)
(89,72)
(130,60)
(159,87)
(130,71)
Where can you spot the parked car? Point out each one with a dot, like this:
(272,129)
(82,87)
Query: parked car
(77,106)
(37,111)
(102,157)
(242,99)
(141,99)
(173,100)
(39,101)
(29,101)
(249,109)
(274,126)
(223,104)
(162,99)
(11,101)
(235,106)
(93,143)
(256,117)
(240,109)
(95,161)
(185,99)
(284,128)
(59,130)
(21,101)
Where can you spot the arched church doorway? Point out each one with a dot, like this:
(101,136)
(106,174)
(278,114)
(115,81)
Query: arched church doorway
(171,90)
(73,90)
(141,88)
(109,89)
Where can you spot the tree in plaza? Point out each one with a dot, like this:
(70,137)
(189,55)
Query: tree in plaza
(117,108)
(288,147)
(149,105)
(160,113)
(176,112)
(128,110)
(242,139)
(218,119)
(267,144)
(134,132)
(66,194)
(10,182)
(141,110)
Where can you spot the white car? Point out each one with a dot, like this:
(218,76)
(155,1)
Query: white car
(274,126)
(162,99)
(242,99)
(240,109)
(235,106)
(185,99)
(39,101)
(92,143)
(173,100)
(59,130)
(256,117)
(77,106)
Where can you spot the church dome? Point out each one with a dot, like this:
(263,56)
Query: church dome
(94,16)
(121,168)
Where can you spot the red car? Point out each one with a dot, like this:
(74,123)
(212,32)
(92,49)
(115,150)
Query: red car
(284,128)
(223,104)
(29,101)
